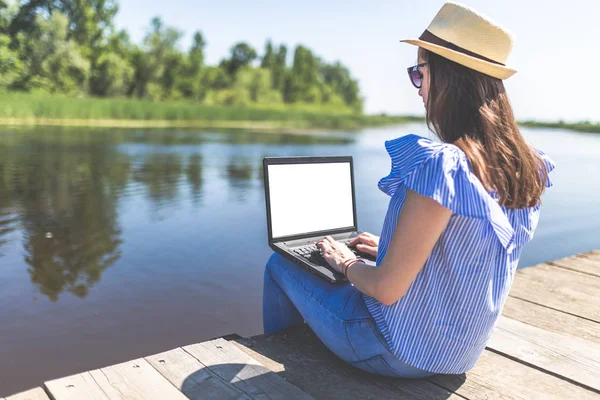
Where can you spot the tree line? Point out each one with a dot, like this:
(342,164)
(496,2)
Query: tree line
(73,47)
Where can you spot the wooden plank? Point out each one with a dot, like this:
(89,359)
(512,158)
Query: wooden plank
(551,320)
(558,288)
(75,387)
(244,372)
(297,355)
(565,355)
(579,264)
(497,377)
(592,255)
(33,394)
(192,377)
(135,380)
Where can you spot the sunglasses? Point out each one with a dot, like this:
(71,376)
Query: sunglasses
(416,77)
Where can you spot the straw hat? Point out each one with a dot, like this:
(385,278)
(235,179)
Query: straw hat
(469,38)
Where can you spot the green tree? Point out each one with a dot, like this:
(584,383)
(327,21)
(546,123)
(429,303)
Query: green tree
(112,76)
(120,44)
(303,78)
(153,59)
(279,69)
(55,62)
(90,20)
(157,62)
(268,60)
(338,78)
(242,54)
(12,69)
(7,12)
(196,56)
(174,66)
(189,82)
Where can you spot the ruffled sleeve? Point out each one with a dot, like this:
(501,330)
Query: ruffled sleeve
(441,171)
(548,163)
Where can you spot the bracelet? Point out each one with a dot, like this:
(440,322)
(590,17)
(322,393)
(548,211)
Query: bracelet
(347,264)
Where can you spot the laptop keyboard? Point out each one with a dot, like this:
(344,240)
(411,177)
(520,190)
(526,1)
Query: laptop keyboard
(313,254)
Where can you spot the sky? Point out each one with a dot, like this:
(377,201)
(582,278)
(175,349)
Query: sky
(556,51)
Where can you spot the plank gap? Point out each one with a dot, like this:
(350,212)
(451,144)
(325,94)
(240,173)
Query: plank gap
(554,264)
(553,309)
(160,373)
(96,382)
(536,367)
(241,389)
(45,389)
(428,379)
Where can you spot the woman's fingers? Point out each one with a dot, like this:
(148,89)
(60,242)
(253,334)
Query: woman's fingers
(325,246)
(372,250)
(358,239)
(365,238)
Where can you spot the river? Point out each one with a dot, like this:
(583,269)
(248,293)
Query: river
(117,244)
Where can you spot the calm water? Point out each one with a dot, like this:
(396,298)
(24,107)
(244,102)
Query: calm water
(121,244)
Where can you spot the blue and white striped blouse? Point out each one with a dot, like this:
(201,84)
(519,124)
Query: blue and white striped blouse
(447,316)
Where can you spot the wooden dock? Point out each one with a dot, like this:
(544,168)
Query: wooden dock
(545,346)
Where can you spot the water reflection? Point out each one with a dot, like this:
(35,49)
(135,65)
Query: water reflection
(193,173)
(239,177)
(62,189)
(160,174)
(66,200)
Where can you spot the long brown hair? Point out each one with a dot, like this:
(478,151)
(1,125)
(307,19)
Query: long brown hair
(472,111)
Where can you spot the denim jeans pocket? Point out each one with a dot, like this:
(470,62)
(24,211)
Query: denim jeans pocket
(365,339)
(375,365)
(377,333)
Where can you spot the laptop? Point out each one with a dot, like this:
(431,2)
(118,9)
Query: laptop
(308,198)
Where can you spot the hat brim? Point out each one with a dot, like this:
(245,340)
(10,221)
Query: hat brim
(485,67)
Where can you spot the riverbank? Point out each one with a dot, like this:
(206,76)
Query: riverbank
(576,126)
(286,127)
(25,109)
(33,109)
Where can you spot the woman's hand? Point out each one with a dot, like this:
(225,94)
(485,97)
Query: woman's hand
(335,253)
(367,243)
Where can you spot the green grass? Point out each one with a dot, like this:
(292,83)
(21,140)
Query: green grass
(573,126)
(29,107)
(25,108)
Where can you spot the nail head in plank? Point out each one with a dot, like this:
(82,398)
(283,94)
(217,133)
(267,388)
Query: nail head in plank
(243,371)
(558,288)
(192,377)
(567,356)
(75,387)
(33,394)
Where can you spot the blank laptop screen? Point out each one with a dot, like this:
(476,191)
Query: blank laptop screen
(310,197)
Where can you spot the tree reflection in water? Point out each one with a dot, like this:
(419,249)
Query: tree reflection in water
(62,188)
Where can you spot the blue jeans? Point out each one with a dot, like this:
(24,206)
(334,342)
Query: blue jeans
(336,313)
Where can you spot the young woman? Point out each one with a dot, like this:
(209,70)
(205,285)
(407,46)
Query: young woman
(460,212)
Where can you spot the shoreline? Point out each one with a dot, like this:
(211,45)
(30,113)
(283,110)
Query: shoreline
(263,126)
(272,126)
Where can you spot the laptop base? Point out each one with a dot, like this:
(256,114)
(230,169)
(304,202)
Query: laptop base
(286,249)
